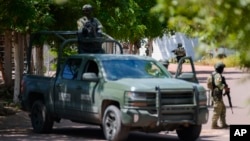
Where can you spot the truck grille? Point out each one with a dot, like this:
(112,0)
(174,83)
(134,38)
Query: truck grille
(168,105)
(167,98)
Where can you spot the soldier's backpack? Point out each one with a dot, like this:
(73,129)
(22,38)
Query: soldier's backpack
(210,82)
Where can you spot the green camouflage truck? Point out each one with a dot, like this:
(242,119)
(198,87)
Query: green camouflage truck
(119,92)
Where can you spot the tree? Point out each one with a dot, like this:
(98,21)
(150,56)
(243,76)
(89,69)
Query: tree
(130,21)
(18,18)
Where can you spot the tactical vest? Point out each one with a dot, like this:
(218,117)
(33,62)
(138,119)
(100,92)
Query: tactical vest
(216,92)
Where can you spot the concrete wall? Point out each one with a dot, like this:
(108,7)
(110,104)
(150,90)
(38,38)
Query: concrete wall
(162,46)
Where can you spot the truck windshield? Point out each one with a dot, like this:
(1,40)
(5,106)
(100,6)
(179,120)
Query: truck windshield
(119,69)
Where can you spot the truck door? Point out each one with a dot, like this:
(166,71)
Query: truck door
(85,99)
(186,70)
(66,87)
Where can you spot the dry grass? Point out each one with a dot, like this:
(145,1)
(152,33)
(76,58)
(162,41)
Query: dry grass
(230,61)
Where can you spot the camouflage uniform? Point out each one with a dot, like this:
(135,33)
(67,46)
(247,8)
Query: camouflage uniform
(92,25)
(89,27)
(218,104)
(179,52)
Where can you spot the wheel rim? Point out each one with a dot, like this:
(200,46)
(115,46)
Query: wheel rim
(37,117)
(111,124)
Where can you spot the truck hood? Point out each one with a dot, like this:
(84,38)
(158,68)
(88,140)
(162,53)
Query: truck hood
(150,84)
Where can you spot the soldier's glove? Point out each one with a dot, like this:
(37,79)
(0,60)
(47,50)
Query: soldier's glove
(84,31)
(227,91)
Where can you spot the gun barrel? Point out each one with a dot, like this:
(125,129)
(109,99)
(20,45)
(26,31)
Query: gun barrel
(229,100)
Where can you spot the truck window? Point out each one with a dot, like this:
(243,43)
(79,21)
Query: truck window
(71,68)
(91,66)
(119,69)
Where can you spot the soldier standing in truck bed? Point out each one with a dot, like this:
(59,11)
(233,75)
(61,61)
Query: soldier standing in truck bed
(89,27)
(179,52)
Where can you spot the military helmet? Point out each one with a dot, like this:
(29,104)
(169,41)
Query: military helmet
(87,7)
(179,45)
(219,65)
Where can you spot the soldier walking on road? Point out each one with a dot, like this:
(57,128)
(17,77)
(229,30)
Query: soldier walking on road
(219,84)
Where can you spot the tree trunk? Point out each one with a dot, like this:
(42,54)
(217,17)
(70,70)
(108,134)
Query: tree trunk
(1,55)
(150,47)
(137,46)
(7,65)
(1,66)
(18,60)
(38,60)
(131,48)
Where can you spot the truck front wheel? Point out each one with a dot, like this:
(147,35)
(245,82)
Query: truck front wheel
(190,133)
(40,119)
(113,128)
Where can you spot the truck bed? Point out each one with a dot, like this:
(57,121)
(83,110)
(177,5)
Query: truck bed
(35,85)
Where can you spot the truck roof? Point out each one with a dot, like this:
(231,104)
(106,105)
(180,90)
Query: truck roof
(113,56)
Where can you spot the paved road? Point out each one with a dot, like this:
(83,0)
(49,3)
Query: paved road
(66,130)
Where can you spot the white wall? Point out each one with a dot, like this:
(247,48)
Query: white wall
(163,46)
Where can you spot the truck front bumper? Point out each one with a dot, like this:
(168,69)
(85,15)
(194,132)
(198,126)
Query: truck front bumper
(143,118)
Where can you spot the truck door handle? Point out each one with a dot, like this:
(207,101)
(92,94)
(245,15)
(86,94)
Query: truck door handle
(59,85)
(78,87)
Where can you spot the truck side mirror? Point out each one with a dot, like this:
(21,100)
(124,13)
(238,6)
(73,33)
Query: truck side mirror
(90,76)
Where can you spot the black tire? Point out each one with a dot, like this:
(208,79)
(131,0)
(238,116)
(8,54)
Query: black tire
(190,133)
(40,119)
(113,128)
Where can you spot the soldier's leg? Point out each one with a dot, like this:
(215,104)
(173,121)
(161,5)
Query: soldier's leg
(223,116)
(216,114)
(178,58)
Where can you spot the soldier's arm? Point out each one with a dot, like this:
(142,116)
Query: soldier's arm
(226,88)
(224,81)
(99,25)
(80,24)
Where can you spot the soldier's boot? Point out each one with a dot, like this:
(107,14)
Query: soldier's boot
(223,122)
(215,126)
(225,126)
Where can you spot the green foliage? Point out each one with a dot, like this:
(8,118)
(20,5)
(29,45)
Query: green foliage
(67,51)
(6,93)
(245,59)
(217,23)
(220,23)
(124,20)
(129,20)
(25,15)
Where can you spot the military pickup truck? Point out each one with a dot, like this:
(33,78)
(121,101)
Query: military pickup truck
(118,92)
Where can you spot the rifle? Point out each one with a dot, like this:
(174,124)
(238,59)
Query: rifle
(228,94)
(229,100)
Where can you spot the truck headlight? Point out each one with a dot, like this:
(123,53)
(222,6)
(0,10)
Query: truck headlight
(135,99)
(202,102)
(135,96)
(202,98)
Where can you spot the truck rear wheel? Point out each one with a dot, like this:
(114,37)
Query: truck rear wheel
(40,119)
(113,128)
(190,133)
